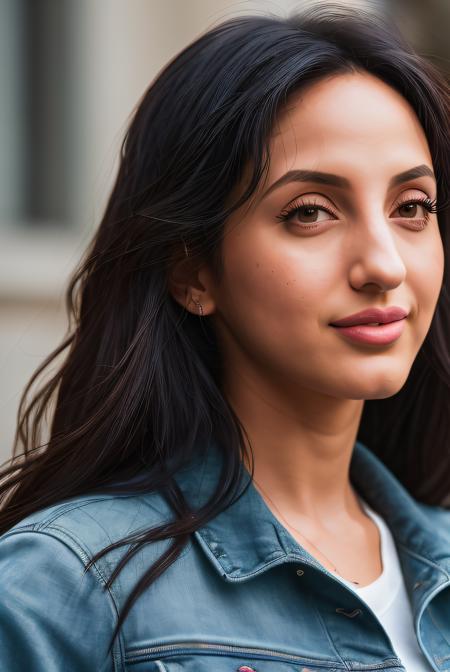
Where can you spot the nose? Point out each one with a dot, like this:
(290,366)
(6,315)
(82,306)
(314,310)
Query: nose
(376,255)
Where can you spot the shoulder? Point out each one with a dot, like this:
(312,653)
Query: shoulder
(50,600)
(89,523)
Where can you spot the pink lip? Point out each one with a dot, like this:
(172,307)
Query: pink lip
(383,315)
(382,335)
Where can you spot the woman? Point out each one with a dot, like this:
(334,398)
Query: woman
(235,478)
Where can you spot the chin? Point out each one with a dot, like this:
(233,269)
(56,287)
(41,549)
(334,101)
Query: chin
(380,387)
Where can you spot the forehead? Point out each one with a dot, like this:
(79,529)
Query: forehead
(353,113)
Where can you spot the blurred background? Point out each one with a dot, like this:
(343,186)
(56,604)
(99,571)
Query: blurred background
(71,73)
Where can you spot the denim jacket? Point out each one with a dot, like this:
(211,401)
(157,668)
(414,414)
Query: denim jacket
(244,594)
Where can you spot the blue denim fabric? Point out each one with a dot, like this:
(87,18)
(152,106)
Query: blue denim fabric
(243,593)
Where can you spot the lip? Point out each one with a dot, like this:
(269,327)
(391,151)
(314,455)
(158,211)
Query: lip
(382,315)
(382,335)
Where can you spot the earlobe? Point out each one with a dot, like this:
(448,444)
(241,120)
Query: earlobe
(199,306)
(187,289)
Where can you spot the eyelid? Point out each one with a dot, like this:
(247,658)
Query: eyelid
(312,195)
(343,198)
(405,195)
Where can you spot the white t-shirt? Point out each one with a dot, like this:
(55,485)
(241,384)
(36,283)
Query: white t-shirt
(388,599)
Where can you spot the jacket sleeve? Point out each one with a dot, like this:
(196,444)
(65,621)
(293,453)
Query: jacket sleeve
(53,617)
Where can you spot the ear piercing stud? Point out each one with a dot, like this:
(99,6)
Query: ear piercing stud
(199,306)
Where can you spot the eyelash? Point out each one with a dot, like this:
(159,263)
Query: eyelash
(429,205)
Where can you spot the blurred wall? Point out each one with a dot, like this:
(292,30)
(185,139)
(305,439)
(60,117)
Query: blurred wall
(73,71)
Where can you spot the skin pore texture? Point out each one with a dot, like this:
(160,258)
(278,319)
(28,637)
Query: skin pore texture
(297,385)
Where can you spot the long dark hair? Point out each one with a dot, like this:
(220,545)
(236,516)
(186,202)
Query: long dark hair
(140,388)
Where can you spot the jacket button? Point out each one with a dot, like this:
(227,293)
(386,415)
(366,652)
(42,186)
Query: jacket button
(300,572)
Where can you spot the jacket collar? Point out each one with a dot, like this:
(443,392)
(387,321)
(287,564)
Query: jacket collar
(246,539)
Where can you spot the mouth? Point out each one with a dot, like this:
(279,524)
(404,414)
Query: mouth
(372,316)
(373,333)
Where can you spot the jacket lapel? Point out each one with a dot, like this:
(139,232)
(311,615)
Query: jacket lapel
(246,539)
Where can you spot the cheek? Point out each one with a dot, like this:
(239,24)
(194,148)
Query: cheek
(277,281)
(426,274)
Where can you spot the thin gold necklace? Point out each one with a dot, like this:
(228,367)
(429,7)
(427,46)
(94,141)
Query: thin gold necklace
(301,533)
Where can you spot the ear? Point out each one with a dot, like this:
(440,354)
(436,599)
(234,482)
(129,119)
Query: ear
(191,285)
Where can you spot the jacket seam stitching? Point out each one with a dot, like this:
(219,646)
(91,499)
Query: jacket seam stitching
(76,547)
(118,661)
(62,510)
(330,639)
(427,559)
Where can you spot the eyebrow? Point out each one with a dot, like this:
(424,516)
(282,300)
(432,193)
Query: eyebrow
(343,182)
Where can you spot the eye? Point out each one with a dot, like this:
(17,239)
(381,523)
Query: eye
(305,212)
(408,210)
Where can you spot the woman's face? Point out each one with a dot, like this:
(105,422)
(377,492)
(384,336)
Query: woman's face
(288,275)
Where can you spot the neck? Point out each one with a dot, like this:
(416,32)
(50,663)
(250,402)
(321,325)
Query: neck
(302,446)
